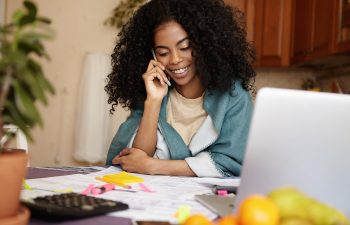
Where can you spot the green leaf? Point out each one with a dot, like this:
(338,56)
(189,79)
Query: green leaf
(27,19)
(36,81)
(17,60)
(25,104)
(35,89)
(34,36)
(31,7)
(35,47)
(31,42)
(17,15)
(30,17)
(39,77)
(44,20)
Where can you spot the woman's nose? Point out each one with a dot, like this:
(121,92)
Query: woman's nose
(176,58)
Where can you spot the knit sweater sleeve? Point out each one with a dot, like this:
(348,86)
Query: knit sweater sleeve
(228,150)
(123,135)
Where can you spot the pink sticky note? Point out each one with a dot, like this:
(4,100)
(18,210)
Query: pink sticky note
(144,188)
(88,189)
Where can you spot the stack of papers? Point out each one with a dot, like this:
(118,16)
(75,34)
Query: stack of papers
(157,198)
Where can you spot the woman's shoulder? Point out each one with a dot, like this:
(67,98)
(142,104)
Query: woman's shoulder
(217,100)
(238,98)
(236,93)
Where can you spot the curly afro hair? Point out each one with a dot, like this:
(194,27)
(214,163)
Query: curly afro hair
(217,36)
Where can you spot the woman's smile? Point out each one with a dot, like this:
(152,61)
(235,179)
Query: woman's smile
(179,73)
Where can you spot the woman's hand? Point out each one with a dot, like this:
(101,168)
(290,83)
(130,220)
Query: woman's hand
(134,160)
(155,81)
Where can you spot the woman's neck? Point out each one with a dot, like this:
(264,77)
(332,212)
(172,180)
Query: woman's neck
(195,90)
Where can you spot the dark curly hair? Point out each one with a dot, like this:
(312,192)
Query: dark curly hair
(217,36)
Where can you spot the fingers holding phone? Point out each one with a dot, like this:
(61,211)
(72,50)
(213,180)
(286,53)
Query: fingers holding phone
(155,80)
(155,70)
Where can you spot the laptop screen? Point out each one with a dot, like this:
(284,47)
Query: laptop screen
(299,139)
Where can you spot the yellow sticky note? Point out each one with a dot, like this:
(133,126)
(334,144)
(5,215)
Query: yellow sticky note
(123,177)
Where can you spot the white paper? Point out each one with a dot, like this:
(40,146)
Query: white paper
(168,194)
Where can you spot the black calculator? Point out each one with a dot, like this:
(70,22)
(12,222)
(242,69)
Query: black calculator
(68,206)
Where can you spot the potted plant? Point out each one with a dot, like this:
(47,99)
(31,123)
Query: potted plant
(22,82)
(123,11)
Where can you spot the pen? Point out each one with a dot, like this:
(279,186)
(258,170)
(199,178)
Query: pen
(145,188)
(113,181)
(155,58)
(102,189)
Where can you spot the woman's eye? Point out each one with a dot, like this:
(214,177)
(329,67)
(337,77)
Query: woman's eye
(162,54)
(185,48)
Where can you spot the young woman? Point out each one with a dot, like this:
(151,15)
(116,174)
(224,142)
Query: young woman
(198,125)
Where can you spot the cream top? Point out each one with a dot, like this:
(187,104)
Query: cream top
(185,115)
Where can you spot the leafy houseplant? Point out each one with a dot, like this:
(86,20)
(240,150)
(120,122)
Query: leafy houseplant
(123,12)
(21,77)
(22,82)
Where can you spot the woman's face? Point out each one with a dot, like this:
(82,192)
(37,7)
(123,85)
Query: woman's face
(173,50)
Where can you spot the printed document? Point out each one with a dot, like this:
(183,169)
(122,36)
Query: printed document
(164,195)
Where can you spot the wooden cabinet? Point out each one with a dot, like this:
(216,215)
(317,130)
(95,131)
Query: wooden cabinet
(272,32)
(293,32)
(312,29)
(268,27)
(302,24)
(342,26)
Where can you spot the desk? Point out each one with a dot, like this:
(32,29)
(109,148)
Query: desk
(100,220)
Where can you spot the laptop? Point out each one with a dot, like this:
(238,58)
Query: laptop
(300,139)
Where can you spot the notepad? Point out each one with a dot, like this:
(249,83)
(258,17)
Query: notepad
(122,177)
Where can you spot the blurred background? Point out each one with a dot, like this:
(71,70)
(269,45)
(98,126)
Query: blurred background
(300,44)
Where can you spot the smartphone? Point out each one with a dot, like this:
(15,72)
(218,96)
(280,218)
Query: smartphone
(165,71)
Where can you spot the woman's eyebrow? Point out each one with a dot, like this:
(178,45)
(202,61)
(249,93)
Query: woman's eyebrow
(182,40)
(177,44)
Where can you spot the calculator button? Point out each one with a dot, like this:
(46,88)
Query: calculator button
(87,207)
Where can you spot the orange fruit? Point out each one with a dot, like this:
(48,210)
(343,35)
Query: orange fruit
(228,220)
(258,210)
(197,219)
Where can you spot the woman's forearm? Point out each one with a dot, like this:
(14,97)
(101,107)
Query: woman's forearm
(146,137)
(170,168)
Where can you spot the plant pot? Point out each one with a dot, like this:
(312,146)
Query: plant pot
(21,218)
(13,167)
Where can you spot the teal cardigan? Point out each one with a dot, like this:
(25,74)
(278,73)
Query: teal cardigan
(230,114)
